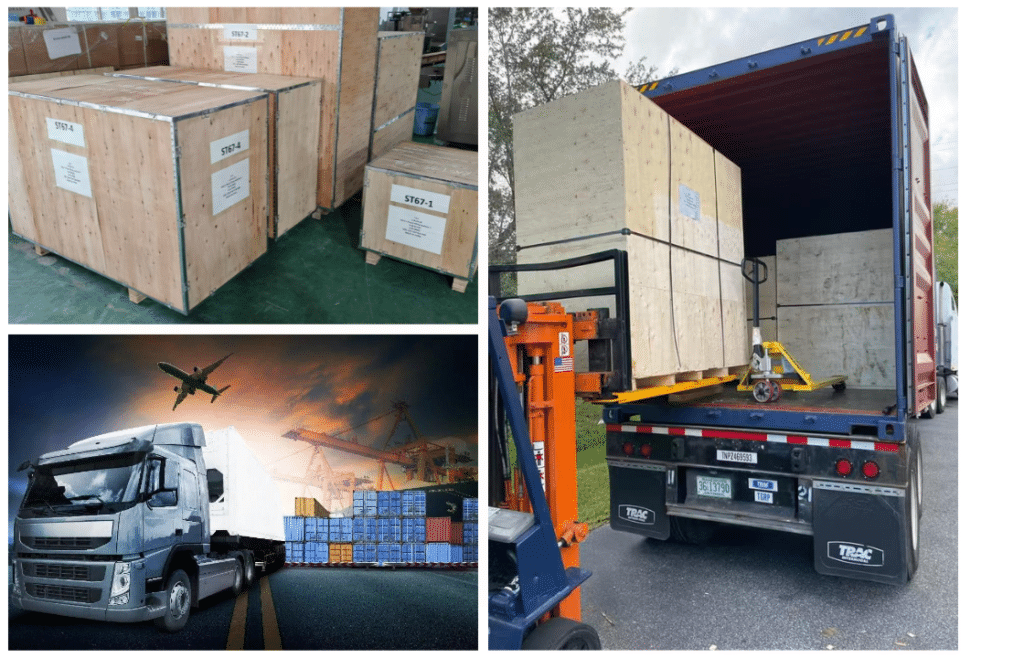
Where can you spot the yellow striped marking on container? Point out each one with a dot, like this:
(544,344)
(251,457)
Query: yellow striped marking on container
(860,31)
(653,86)
(846,35)
(642,89)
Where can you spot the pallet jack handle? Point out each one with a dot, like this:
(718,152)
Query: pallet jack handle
(755,271)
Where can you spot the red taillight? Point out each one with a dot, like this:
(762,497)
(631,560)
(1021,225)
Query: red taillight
(870,470)
(627,448)
(844,467)
(646,450)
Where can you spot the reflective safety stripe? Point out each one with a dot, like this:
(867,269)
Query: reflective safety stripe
(792,439)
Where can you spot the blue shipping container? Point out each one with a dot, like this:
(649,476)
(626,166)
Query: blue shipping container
(317,552)
(439,552)
(394,503)
(414,553)
(470,533)
(470,553)
(334,530)
(310,531)
(323,529)
(364,552)
(389,552)
(364,529)
(294,528)
(470,509)
(346,530)
(294,551)
(414,503)
(414,530)
(364,503)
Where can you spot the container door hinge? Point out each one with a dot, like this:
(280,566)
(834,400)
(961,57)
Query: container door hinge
(177,152)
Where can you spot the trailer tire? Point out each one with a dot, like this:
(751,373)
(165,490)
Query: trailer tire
(913,515)
(179,603)
(562,633)
(691,531)
(940,396)
(929,411)
(250,568)
(238,581)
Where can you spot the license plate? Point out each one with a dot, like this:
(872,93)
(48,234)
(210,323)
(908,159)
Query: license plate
(714,487)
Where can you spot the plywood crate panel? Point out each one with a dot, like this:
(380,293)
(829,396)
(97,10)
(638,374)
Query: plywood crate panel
(836,269)
(292,149)
(843,339)
(396,84)
(619,162)
(142,43)
(420,206)
(335,45)
(52,47)
(57,74)
(118,175)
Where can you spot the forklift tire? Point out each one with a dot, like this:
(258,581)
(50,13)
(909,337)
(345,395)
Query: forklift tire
(940,396)
(238,581)
(562,633)
(179,603)
(691,531)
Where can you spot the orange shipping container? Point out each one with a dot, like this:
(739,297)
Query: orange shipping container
(439,528)
(339,553)
(310,507)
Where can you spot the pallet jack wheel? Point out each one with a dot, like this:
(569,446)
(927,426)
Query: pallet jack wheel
(840,386)
(776,391)
(763,391)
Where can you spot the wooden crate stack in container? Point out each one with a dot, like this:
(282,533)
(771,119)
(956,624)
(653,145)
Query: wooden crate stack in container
(395,86)
(66,47)
(608,169)
(335,45)
(119,176)
(420,206)
(835,305)
(293,137)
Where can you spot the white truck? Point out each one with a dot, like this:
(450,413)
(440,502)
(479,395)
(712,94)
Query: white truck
(946,335)
(142,524)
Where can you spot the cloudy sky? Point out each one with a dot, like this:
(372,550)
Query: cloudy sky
(688,39)
(66,388)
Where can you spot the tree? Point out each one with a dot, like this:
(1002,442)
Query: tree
(537,56)
(945,229)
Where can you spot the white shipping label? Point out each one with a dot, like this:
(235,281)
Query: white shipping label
(689,203)
(228,146)
(62,42)
(419,198)
(65,131)
(238,59)
(763,497)
(230,185)
(71,172)
(735,456)
(415,229)
(242,32)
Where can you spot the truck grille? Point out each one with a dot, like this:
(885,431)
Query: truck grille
(62,593)
(65,543)
(66,572)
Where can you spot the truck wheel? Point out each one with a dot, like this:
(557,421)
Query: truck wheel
(179,603)
(250,568)
(238,582)
(929,411)
(562,633)
(691,531)
(913,509)
(940,396)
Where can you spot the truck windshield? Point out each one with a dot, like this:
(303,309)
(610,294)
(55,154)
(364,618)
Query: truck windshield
(84,485)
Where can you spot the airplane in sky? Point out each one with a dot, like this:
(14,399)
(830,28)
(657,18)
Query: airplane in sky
(194,382)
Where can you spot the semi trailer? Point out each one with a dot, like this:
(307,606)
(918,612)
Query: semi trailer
(143,524)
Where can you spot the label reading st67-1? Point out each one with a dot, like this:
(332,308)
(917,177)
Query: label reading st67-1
(420,198)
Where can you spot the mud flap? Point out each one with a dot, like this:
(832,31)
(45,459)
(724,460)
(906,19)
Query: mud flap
(638,499)
(859,532)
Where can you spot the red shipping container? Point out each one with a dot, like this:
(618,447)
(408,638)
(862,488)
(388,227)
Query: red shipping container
(439,528)
(456,533)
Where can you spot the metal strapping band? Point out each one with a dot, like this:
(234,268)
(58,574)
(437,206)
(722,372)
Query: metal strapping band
(391,121)
(259,26)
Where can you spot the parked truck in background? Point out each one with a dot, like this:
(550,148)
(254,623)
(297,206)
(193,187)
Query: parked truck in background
(947,334)
(832,136)
(142,524)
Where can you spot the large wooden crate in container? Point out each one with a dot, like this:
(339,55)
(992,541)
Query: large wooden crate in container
(608,169)
(57,47)
(130,178)
(293,137)
(420,206)
(395,86)
(335,45)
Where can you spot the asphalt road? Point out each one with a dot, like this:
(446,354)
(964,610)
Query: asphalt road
(294,608)
(757,589)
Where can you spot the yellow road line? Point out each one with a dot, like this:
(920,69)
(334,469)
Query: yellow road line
(236,632)
(271,633)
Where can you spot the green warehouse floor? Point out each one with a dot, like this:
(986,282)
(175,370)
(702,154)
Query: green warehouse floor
(315,273)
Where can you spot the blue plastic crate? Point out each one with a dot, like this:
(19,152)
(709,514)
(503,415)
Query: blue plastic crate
(294,528)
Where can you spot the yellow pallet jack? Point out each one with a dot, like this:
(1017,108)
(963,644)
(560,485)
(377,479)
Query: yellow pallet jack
(772,369)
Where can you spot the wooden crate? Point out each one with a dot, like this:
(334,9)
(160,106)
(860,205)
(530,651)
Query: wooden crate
(120,176)
(292,147)
(35,49)
(420,206)
(395,86)
(589,167)
(335,45)
(59,74)
(836,269)
(142,43)
(843,339)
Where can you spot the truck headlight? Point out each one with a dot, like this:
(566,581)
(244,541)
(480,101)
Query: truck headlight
(120,587)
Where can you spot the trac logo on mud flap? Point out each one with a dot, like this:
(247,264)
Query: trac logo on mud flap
(636,514)
(851,553)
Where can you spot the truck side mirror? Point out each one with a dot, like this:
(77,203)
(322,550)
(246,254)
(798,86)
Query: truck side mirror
(162,483)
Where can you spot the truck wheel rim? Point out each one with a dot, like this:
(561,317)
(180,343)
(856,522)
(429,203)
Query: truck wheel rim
(179,600)
(913,517)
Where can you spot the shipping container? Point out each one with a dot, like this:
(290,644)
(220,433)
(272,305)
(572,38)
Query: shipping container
(309,523)
(163,212)
(439,528)
(470,553)
(394,503)
(383,503)
(317,552)
(292,137)
(443,552)
(340,553)
(414,552)
(364,552)
(294,551)
(364,503)
(336,45)
(364,529)
(455,535)
(471,509)
(470,533)
(420,207)
(294,528)
(389,552)
(310,507)
(414,503)
(445,502)
(346,530)
(414,530)
(395,88)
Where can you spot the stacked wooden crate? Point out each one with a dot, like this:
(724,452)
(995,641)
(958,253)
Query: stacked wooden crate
(608,169)
(159,186)
(335,45)
(394,90)
(62,48)
(293,136)
(835,305)
(420,206)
